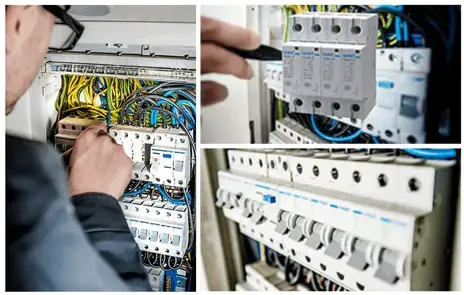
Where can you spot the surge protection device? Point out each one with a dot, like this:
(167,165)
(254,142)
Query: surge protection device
(329,64)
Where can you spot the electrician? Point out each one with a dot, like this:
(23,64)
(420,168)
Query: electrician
(63,232)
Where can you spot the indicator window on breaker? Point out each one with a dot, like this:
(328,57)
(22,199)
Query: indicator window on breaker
(175,240)
(164,238)
(143,234)
(178,166)
(153,236)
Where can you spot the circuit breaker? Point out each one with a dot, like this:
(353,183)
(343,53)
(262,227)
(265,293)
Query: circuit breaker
(329,64)
(160,155)
(365,221)
(399,113)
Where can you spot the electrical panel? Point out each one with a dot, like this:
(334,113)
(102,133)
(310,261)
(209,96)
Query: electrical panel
(329,64)
(365,220)
(139,80)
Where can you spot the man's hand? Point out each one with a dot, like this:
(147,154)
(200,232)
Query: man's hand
(98,164)
(215,35)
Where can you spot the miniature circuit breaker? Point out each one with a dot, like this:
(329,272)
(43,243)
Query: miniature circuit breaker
(365,221)
(329,64)
(160,155)
(157,227)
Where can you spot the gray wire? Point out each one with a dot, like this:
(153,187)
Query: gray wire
(191,221)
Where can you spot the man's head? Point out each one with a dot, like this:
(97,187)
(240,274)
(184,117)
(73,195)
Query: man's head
(28,32)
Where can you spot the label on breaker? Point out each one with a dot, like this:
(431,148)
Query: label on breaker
(351,73)
(311,64)
(291,60)
(330,72)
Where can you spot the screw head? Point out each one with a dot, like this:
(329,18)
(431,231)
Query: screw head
(146,247)
(356,176)
(316,171)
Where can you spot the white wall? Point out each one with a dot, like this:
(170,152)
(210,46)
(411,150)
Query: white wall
(227,121)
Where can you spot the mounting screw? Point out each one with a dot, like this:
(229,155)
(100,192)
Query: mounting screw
(157,212)
(168,214)
(182,140)
(136,209)
(146,210)
(177,252)
(156,248)
(148,136)
(125,207)
(179,215)
(334,173)
(146,247)
(167,250)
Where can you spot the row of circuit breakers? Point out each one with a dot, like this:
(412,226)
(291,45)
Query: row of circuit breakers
(366,221)
(331,67)
(162,157)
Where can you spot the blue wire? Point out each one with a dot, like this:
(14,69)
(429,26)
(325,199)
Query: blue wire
(187,94)
(437,154)
(405,31)
(259,250)
(399,36)
(334,139)
(145,187)
(333,124)
(167,197)
(375,139)
(108,118)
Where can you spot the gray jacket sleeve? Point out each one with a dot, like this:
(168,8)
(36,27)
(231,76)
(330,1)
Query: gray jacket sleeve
(52,245)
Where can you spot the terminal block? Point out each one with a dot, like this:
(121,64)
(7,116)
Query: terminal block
(329,64)
(70,128)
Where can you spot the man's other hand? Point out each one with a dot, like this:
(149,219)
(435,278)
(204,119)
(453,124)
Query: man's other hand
(215,36)
(98,164)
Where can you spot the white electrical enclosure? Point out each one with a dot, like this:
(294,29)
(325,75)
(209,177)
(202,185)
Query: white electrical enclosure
(329,64)
(365,221)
